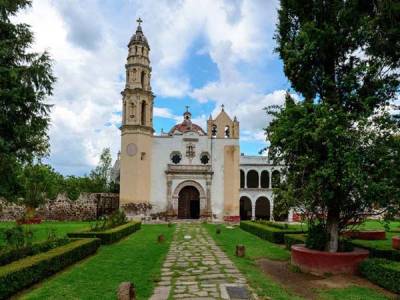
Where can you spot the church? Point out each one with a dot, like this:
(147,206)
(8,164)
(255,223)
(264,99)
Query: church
(188,172)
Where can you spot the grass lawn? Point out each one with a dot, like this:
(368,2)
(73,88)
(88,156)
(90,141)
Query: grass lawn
(41,231)
(352,293)
(375,224)
(138,259)
(255,248)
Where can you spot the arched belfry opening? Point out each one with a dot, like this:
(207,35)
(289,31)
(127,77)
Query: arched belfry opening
(189,203)
(142,79)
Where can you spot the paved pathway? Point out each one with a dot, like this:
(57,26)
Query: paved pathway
(196,268)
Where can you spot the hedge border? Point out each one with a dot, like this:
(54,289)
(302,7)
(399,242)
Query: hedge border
(390,254)
(10,255)
(108,236)
(382,272)
(23,273)
(268,233)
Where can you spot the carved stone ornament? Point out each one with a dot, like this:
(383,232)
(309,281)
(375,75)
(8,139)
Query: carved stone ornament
(131,149)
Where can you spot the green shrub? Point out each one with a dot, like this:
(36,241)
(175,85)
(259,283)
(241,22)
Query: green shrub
(292,239)
(317,237)
(377,251)
(272,234)
(108,236)
(383,272)
(275,224)
(27,271)
(9,255)
(117,218)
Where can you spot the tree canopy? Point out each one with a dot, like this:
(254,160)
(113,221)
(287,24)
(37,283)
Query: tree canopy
(339,141)
(26,79)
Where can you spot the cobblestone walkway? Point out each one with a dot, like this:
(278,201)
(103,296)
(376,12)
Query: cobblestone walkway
(196,268)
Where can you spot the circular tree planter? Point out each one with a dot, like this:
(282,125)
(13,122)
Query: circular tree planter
(320,262)
(366,235)
(396,242)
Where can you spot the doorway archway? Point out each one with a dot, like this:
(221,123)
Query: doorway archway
(189,203)
(245,208)
(263,207)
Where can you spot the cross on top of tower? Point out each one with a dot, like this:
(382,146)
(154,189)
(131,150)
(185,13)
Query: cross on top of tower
(139,21)
(222,107)
(187,108)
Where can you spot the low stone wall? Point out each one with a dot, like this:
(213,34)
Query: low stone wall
(85,208)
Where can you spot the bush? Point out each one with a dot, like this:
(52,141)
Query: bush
(383,272)
(317,237)
(27,271)
(378,251)
(272,234)
(108,236)
(117,218)
(292,239)
(9,255)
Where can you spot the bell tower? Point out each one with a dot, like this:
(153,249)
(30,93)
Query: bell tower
(137,123)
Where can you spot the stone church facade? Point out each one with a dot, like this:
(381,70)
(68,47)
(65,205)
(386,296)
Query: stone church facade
(189,172)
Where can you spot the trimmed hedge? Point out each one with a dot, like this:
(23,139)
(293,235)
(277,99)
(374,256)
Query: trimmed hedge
(383,272)
(293,239)
(22,273)
(108,236)
(378,252)
(272,234)
(8,256)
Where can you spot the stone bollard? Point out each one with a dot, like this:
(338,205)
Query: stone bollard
(240,250)
(218,230)
(169,224)
(161,238)
(126,291)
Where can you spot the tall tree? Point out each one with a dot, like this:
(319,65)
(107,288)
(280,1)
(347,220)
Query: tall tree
(339,142)
(26,79)
(101,175)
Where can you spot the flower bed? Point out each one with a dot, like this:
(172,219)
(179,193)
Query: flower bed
(272,234)
(366,235)
(396,242)
(108,236)
(8,256)
(383,272)
(22,273)
(321,262)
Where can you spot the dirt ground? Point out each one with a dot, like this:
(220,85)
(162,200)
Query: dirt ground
(308,285)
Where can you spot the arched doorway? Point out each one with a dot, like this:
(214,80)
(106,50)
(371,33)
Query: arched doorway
(252,179)
(245,208)
(189,203)
(263,209)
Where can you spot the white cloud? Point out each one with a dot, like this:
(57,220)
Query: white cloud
(88,45)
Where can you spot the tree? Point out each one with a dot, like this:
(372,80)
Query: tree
(101,175)
(25,80)
(339,141)
(39,182)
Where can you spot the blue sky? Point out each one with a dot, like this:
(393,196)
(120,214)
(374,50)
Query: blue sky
(203,54)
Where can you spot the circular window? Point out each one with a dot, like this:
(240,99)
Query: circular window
(204,158)
(176,157)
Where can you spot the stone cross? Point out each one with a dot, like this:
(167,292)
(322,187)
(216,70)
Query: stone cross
(139,21)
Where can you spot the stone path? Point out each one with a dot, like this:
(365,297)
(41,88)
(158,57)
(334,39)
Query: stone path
(196,268)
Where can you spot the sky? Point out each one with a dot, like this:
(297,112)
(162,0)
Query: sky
(203,54)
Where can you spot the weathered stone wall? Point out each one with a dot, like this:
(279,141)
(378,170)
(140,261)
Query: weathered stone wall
(61,209)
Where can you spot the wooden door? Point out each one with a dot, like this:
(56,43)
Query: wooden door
(188,202)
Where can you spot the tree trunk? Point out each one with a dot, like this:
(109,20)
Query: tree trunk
(332,225)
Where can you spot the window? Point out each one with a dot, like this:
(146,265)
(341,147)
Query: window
(143,119)
(190,153)
(142,78)
(176,157)
(204,158)
(214,130)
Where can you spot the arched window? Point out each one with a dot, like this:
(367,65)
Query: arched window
(264,179)
(227,132)
(242,178)
(275,179)
(263,209)
(252,179)
(143,120)
(142,79)
(136,50)
(214,130)
(245,208)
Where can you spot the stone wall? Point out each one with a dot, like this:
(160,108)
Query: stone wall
(85,208)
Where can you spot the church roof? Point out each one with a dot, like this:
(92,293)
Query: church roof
(186,125)
(138,37)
